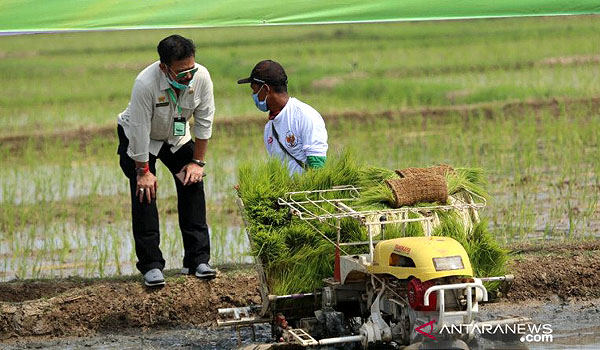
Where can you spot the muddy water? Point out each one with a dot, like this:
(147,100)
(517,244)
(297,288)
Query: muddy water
(574,325)
(198,339)
(112,244)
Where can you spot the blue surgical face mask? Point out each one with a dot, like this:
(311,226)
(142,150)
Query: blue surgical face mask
(261,105)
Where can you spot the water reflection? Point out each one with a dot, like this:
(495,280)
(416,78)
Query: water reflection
(65,249)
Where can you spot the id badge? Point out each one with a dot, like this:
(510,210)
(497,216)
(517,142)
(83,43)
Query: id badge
(179,126)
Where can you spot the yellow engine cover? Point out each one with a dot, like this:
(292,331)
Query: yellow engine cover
(416,255)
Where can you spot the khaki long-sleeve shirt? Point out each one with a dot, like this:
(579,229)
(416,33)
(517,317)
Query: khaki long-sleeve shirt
(148,119)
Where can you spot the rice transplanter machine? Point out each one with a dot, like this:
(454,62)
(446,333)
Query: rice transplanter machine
(399,295)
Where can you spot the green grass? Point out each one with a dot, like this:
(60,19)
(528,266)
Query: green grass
(57,196)
(72,80)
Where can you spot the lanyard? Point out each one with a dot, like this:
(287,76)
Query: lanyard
(179,123)
(174,99)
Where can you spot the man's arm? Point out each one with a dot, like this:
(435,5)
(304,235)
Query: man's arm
(203,120)
(205,112)
(200,149)
(140,119)
(314,137)
(193,171)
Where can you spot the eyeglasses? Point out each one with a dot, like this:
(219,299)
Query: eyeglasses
(184,73)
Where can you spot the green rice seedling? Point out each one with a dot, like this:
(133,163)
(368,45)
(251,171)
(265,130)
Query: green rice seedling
(270,246)
(414,229)
(268,177)
(132,255)
(260,186)
(340,169)
(329,230)
(451,226)
(487,257)
(65,250)
(370,176)
(409,229)
(115,245)
(298,235)
(5,267)
(100,263)
(352,231)
(303,271)
(103,262)
(475,176)
(470,179)
(376,197)
(266,214)
(36,266)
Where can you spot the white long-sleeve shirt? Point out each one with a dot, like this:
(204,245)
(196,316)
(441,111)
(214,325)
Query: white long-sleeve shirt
(148,119)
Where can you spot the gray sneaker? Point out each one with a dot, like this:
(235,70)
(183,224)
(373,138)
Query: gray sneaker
(205,271)
(154,278)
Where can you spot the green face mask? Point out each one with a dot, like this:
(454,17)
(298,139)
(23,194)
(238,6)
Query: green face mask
(180,75)
(175,84)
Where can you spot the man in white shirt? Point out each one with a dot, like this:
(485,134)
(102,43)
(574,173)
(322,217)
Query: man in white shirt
(155,125)
(295,132)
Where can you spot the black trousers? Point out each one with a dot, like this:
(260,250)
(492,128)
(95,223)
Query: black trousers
(191,208)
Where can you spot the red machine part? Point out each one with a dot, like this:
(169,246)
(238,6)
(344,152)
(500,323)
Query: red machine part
(416,295)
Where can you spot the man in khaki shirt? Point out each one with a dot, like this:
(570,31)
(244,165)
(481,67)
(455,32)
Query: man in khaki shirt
(165,96)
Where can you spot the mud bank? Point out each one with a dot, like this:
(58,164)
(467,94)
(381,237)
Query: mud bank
(107,306)
(33,311)
(573,325)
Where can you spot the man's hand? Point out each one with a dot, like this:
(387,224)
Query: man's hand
(147,185)
(193,173)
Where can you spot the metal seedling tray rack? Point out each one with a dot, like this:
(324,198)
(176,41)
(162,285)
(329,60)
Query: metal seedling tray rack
(330,206)
(319,205)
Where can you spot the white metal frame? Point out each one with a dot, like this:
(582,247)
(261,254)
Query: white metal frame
(471,307)
(298,201)
(315,206)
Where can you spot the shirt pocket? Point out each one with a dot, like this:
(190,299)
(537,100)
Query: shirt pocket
(162,122)
(189,107)
(187,112)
